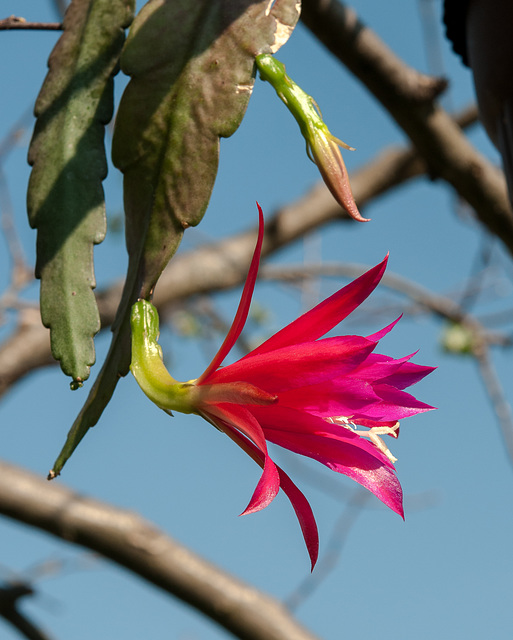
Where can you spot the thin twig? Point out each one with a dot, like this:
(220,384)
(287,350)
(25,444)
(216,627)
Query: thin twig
(20,272)
(15,22)
(495,392)
(334,548)
(16,132)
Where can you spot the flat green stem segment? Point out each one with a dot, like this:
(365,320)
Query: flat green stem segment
(192,70)
(65,195)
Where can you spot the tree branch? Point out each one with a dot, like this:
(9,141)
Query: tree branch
(133,543)
(410,97)
(15,22)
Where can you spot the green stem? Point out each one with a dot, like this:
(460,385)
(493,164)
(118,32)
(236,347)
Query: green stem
(299,103)
(148,367)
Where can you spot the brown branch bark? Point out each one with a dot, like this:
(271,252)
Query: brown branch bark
(15,22)
(410,98)
(133,543)
(224,264)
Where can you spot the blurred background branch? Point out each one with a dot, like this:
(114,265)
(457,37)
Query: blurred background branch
(125,538)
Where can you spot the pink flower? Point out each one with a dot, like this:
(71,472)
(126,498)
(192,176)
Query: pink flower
(301,392)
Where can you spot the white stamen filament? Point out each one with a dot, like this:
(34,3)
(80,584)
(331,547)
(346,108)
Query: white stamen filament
(373,434)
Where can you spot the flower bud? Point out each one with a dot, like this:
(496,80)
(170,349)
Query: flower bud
(322,146)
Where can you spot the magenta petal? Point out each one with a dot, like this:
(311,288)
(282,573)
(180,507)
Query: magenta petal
(298,365)
(300,504)
(342,397)
(398,373)
(242,312)
(266,489)
(376,367)
(375,337)
(395,404)
(304,515)
(363,422)
(237,418)
(240,418)
(319,320)
(278,419)
(407,375)
(234,393)
(359,465)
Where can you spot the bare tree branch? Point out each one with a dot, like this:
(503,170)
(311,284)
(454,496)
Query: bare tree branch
(130,541)
(410,99)
(15,22)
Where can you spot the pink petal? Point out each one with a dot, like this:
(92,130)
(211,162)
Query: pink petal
(375,337)
(395,404)
(376,367)
(304,515)
(407,375)
(297,499)
(359,465)
(398,373)
(340,397)
(298,365)
(244,304)
(266,489)
(292,422)
(319,320)
(236,418)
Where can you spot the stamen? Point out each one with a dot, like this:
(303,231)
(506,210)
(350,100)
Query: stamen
(373,434)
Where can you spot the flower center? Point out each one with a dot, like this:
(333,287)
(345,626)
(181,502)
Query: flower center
(373,433)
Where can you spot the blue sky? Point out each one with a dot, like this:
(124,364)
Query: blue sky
(444,572)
